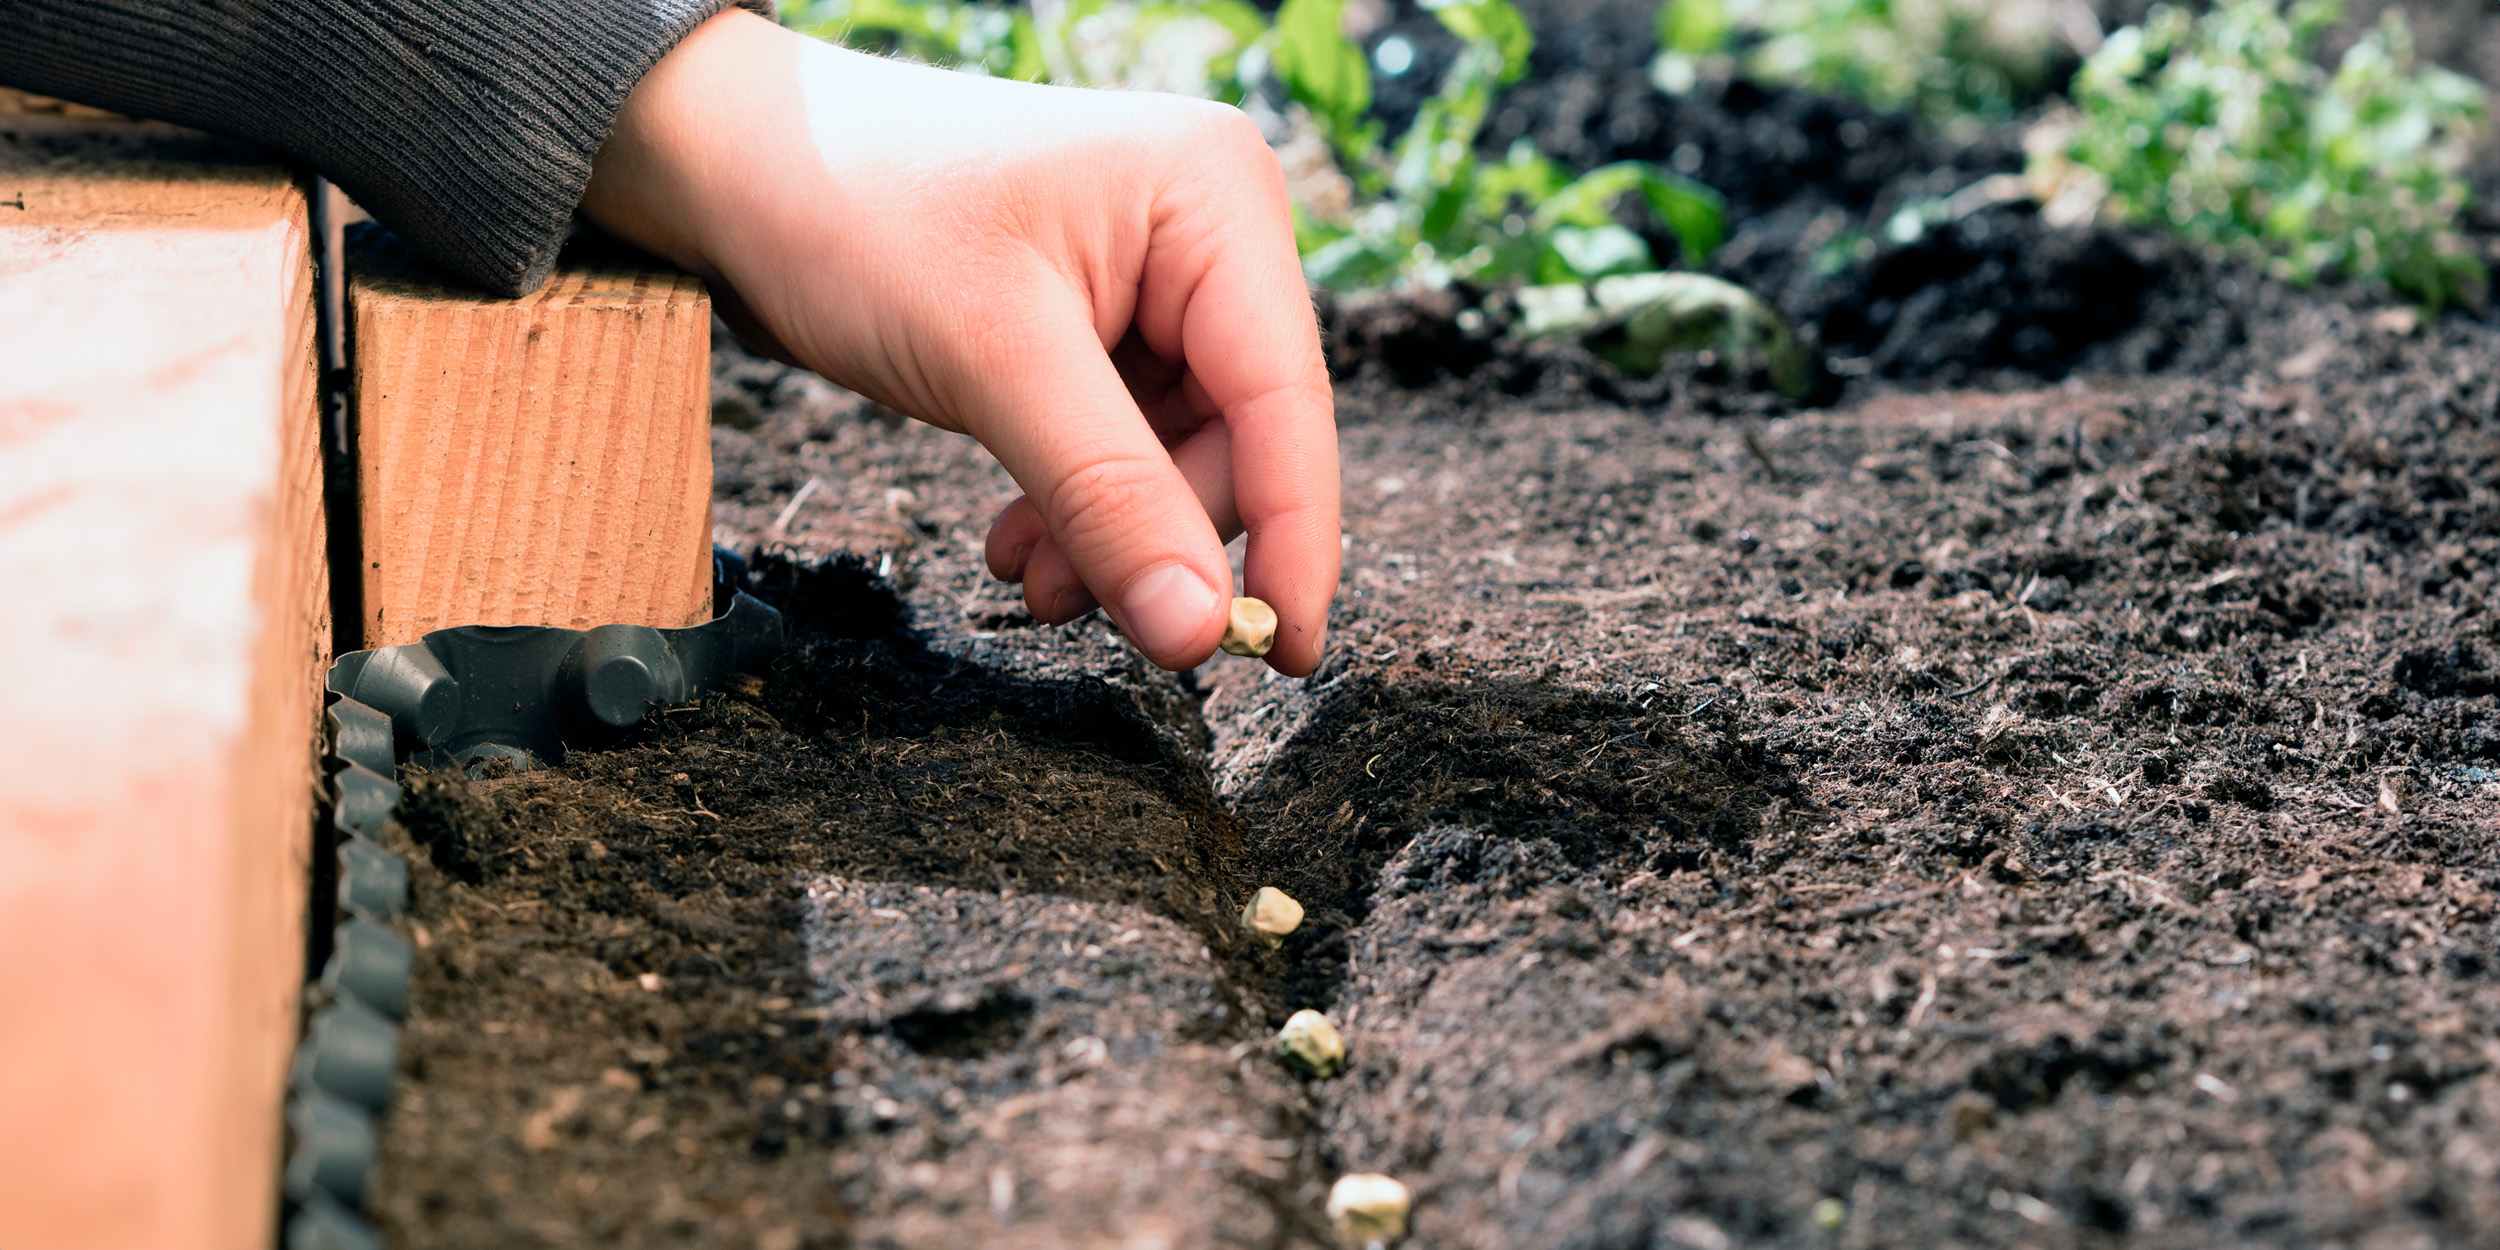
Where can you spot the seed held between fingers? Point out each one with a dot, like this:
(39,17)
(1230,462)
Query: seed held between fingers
(1271,913)
(1250,629)
(1368,1208)
(1310,1045)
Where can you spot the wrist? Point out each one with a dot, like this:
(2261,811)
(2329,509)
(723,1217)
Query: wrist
(667,177)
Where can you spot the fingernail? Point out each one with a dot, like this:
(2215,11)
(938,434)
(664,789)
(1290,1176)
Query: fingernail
(1167,609)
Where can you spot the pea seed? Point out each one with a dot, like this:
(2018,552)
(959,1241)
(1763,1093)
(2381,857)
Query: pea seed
(1310,1045)
(1272,913)
(1251,628)
(1368,1208)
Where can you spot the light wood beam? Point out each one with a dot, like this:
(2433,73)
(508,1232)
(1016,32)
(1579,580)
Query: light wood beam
(537,461)
(165,626)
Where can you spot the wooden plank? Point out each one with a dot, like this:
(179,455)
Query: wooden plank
(536,461)
(161,559)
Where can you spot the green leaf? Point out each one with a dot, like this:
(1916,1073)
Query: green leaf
(1524,174)
(2221,125)
(1601,252)
(1693,213)
(1492,23)
(1310,234)
(1693,27)
(1438,148)
(1024,46)
(1636,320)
(1348,262)
(832,21)
(1320,67)
(1450,200)
(1588,202)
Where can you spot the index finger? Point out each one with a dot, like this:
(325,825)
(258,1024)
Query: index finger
(1223,290)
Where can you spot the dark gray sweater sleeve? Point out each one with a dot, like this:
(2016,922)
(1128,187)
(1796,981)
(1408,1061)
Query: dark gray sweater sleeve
(467,126)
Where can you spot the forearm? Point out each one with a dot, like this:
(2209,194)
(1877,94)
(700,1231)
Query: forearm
(467,126)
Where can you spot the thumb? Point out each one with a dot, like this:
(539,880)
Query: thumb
(1047,401)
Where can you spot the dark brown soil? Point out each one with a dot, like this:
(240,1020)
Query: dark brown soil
(2054,817)
(2064,813)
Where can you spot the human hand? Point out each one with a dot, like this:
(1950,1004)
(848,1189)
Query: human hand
(1100,286)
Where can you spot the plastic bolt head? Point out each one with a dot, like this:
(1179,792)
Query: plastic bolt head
(411,686)
(1368,1208)
(1310,1045)
(372,881)
(1250,629)
(1272,913)
(361,735)
(349,1051)
(620,671)
(333,1152)
(371,964)
(360,800)
(618,690)
(321,1224)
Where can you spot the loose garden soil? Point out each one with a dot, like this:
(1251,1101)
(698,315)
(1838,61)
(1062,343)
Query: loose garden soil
(2048,797)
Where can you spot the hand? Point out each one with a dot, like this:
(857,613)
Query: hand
(1100,286)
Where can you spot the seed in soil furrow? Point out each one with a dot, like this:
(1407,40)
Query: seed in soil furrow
(1272,914)
(1368,1208)
(1310,1045)
(1251,628)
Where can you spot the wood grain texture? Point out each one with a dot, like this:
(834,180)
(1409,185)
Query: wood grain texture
(537,461)
(161,559)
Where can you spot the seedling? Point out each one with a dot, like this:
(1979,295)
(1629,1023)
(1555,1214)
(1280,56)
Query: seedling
(1202,48)
(1951,61)
(1635,320)
(2223,127)
(1429,210)
(1272,914)
(1251,628)
(1310,1045)
(1368,1208)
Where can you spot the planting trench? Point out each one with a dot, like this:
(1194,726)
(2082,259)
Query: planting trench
(2056,812)
(1971,809)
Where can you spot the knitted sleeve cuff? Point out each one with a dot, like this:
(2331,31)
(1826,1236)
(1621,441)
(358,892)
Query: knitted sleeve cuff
(466,126)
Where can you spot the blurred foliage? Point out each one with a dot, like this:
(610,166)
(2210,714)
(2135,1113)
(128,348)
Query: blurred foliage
(1634,321)
(1424,208)
(1325,72)
(1428,209)
(1950,60)
(2224,127)
(1211,49)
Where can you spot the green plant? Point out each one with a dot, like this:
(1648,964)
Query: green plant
(1192,47)
(1424,209)
(2224,128)
(1325,72)
(1948,59)
(1428,209)
(1634,321)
